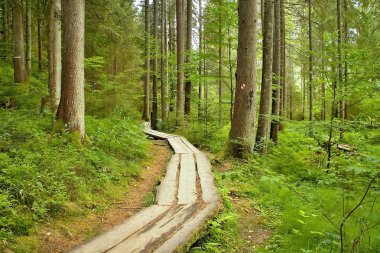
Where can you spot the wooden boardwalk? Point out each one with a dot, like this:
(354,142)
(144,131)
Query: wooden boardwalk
(186,199)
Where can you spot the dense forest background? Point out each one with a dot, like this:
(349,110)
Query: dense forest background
(298,169)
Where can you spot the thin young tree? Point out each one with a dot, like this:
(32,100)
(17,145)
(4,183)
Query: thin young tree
(311,87)
(5,28)
(71,107)
(276,68)
(189,40)
(28,34)
(200,63)
(266,82)
(154,67)
(242,133)
(164,110)
(180,18)
(146,113)
(39,34)
(54,54)
(20,71)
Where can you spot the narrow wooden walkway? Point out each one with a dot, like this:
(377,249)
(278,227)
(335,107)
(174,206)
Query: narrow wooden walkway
(186,199)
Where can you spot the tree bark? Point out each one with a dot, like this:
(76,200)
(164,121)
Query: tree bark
(164,111)
(189,40)
(71,107)
(54,54)
(39,36)
(5,28)
(154,74)
(146,113)
(220,62)
(180,60)
(242,134)
(20,74)
(266,83)
(28,36)
(311,88)
(283,100)
(200,66)
(276,73)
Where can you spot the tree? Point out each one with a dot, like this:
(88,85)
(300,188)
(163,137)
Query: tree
(180,60)
(266,82)
(311,88)
(189,41)
(71,107)
(154,67)
(5,28)
(28,36)
(276,72)
(242,134)
(54,54)
(164,110)
(20,74)
(146,113)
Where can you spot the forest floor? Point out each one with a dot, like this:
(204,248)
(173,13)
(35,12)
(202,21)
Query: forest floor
(62,234)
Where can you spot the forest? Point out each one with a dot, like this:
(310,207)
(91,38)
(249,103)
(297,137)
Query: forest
(282,97)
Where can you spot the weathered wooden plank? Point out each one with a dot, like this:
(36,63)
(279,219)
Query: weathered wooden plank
(155,234)
(104,242)
(189,145)
(209,192)
(183,145)
(167,191)
(187,192)
(180,240)
(177,147)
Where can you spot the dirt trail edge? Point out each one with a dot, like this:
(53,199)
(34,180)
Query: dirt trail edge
(186,199)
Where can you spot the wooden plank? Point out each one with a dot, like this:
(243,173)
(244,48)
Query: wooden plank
(183,145)
(179,242)
(167,191)
(104,242)
(150,237)
(209,192)
(187,192)
(177,147)
(189,145)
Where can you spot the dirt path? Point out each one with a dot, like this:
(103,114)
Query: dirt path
(61,235)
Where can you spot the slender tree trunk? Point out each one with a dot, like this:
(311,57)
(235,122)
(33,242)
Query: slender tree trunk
(206,85)
(340,64)
(5,28)
(39,36)
(71,108)
(276,73)
(242,134)
(220,63)
(283,107)
(20,74)
(155,38)
(164,111)
(232,89)
(291,86)
(323,88)
(28,36)
(200,58)
(311,88)
(171,44)
(146,113)
(180,60)
(345,59)
(266,82)
(189,41)
(303,87)
(55,64)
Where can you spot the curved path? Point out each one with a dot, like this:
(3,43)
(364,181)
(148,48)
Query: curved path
(186,199)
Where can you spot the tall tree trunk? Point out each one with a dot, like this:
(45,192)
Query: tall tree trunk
(71,107)
(303,87)
(266,82)
(276,68)
(171,44)
(164,113)
(291,85)
(39,36)
(340,64)
(345,28)
(20,74)
(311,88)
(28,36)
(5,28)
(200,57)
(323,88)
(220,62)
(189,40)
(242,134)
(230,66)
(283,100)
(55,64)
(146,113)
(155,39)
(180,60)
